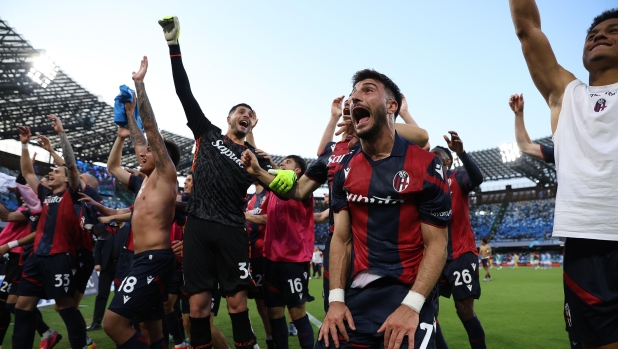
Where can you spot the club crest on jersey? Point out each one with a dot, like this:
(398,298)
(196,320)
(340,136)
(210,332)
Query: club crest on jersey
(600,105)
(401,181)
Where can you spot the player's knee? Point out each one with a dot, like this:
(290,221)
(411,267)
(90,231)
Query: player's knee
(275,313)
(237,302)
(465,309)
(298,312)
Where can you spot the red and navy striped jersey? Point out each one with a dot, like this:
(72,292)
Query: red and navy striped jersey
(387,201)
(58,230)
(461,183)
(88,214)
(323,169)
(256,206)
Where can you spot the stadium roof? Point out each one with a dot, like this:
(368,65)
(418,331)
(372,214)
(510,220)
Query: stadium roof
(31,87)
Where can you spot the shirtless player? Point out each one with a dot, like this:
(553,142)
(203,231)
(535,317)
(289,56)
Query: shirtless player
(142,292)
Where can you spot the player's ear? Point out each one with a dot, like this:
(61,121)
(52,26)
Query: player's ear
(228,120)
(391,106)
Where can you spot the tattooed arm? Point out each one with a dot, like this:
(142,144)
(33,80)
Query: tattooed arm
(67,153)
(137,136)
(163,163)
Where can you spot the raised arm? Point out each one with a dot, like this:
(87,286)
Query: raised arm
(46,144)
(163,163)
(196,120)
(7,216)
(115,156)
(525,145)
(474,176)
(321,217)
(67,152)
(27,168)
(137,136)
(548,76)
(335,113)
(410,129)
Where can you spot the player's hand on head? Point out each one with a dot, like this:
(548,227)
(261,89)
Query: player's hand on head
(403,322)
(284,180)
(454,143)
(56,123)
(516,102)
(44,142)
(336,108)
(141,73)
(171,29)
(337,313)
(24,134)
(254,119)
(346,126)
(123,132)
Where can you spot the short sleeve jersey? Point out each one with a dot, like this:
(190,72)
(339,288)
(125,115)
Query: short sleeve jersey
(16,230)
(88,214)
(323,169)
(460,233)
(58,230)
(256,231)
(548,154)
(387,200)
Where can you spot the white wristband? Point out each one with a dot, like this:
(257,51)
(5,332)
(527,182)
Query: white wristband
(13,244)
(24,146)
(336,295)
(414,300)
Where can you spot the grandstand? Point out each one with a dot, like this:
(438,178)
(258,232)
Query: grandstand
(31,87)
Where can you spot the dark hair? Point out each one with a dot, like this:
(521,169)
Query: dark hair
(300,163)
(190,173)
(609,14)
(484,240)
(173,150)
(447,150)
(390,86)
(239,105)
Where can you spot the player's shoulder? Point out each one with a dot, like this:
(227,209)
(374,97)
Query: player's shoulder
(328,149)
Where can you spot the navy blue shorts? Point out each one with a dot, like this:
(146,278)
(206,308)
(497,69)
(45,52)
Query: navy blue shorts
(124,264)
(142,292)
(12,273)
(372,305)
(286,284)
(177,281)
(460,278)
(258,270)
(591,290)
(85,266)
(48,277)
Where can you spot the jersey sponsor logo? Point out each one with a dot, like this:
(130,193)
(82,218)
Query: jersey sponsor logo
(52,200)
(225,151)
(442,214)
(255,211)
(337,158)
(440,171)
(600,105)
(401,181)
(567,314)
(373,200)
(149,279)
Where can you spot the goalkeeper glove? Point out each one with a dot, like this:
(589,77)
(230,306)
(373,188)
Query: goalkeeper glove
(283,182)
(171,29)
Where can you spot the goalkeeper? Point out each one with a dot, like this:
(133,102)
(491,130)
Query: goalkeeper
(216,245)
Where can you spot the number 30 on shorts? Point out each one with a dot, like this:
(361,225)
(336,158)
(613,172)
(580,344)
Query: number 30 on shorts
(245,270)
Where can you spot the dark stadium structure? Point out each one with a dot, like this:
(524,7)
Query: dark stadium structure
(32,87)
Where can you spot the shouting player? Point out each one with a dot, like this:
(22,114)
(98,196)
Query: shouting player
(216,243)
(392,200)
(142,292)
(582,116)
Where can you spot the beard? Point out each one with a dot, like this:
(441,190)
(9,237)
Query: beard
(377,123)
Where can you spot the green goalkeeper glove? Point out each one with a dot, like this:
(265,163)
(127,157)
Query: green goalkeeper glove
(283,182)
(171,29)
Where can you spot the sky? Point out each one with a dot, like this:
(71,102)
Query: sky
(457,62)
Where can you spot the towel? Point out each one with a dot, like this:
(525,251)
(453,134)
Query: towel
(120,115)
(30,198)
(6,182)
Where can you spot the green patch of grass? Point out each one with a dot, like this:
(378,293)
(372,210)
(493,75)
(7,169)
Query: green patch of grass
(521,308)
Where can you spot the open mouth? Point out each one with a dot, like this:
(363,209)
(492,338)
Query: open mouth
(244,123)
(361,115)
(346,111)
